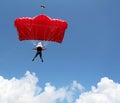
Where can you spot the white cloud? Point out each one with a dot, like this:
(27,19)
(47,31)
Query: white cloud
(26,90)
(18,90)
(73,90)
(107,91)
(76,85)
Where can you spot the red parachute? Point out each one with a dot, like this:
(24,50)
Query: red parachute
(40,27)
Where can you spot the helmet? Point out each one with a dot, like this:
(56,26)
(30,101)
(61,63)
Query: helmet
(39,44)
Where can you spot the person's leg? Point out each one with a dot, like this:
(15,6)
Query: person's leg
(41,56)
(35,56)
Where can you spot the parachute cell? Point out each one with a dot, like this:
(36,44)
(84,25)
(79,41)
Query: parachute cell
(40,27)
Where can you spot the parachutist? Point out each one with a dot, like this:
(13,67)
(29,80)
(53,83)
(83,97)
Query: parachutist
(40,28)
(42,6)
(36,29)
(39,49)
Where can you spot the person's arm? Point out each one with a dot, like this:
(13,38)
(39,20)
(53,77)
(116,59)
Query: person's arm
(43,48)
(34,49)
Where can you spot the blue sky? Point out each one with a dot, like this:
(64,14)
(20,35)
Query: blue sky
(90,49)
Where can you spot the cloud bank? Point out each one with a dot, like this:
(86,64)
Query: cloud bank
(27,90)
(107,91)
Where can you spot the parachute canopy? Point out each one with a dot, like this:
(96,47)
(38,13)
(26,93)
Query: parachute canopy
(40,27)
